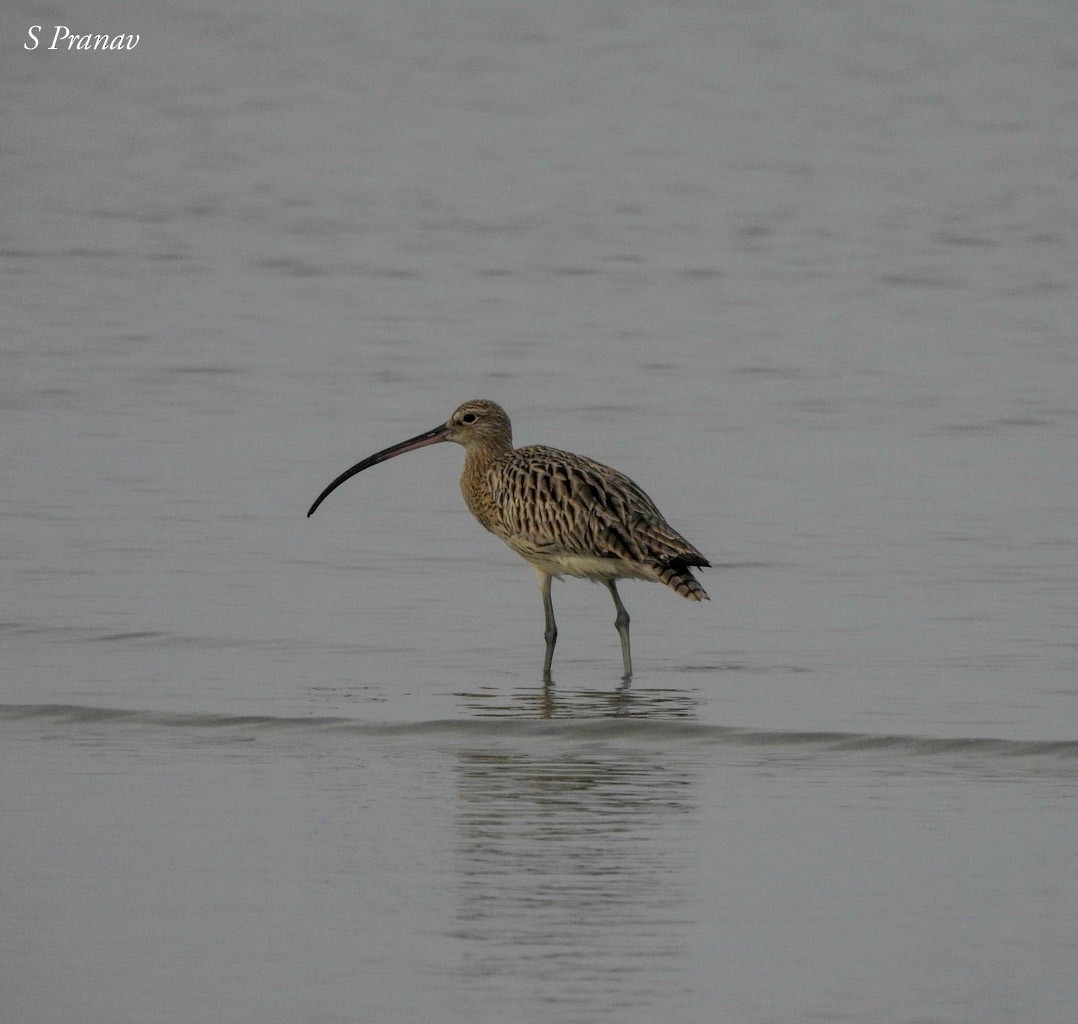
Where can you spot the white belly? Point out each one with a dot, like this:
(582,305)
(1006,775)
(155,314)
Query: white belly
(585,566)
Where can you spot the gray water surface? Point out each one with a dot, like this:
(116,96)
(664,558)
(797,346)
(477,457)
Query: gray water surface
(805,271)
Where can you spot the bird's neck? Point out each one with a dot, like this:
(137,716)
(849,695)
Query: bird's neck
(475,483)
(481,455)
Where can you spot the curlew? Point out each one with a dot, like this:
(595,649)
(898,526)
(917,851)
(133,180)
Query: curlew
(562,513)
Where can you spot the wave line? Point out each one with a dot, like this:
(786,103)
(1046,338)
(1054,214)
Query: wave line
(640,729)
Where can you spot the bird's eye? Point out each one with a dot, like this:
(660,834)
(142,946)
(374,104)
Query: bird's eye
(468,417)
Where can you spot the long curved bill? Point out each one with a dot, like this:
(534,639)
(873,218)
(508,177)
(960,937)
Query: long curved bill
(430,437)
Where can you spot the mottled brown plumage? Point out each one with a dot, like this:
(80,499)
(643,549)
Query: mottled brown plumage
(563,513)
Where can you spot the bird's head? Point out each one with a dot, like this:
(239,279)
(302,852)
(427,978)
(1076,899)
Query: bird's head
(480,423)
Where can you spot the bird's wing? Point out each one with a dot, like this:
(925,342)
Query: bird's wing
(555,501)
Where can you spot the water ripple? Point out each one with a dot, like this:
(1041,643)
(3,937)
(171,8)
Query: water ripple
(641,730)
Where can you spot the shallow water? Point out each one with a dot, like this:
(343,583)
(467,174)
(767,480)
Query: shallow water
(588,868)
(805,272)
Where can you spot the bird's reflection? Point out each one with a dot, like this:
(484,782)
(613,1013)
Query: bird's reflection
(549,701)
(571,863)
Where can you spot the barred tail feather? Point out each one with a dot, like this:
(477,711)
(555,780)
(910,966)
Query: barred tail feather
(678,577)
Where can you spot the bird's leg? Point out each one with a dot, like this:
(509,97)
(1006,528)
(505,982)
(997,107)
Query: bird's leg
(551,632)
(621,624)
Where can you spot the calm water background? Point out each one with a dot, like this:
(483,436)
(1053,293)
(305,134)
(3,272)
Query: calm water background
(807,271)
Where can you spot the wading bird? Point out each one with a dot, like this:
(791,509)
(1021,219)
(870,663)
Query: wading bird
(564,514)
